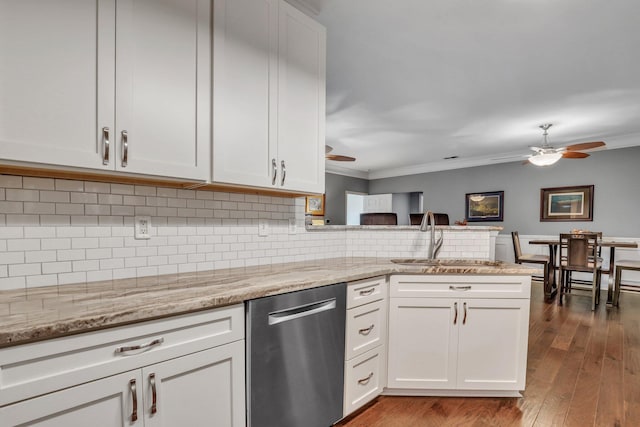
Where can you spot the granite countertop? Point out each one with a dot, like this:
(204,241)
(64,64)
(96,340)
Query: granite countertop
(54,311)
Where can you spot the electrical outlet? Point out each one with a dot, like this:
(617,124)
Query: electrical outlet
(292,226)
(263,228)
(142,227)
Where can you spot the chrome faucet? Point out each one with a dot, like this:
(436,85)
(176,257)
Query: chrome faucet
(434,245)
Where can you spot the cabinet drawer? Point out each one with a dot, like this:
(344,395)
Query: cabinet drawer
(462,286)
(365,328)
(366,291)
(362,379)
(37,368)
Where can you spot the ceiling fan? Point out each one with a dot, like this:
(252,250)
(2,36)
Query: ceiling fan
(336,157)
(547,155)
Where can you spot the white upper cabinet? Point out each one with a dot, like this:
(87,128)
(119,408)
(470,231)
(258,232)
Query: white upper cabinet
(163,86)
(69,97)
(268,96)
(57,80)
(244,52)
(301,100)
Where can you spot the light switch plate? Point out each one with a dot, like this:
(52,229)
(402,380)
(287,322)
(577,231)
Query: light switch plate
(263,228)
(142,227)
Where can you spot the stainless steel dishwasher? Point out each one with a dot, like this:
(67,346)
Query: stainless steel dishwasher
(295,358)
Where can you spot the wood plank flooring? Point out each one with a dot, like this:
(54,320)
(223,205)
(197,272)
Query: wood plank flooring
(583,370)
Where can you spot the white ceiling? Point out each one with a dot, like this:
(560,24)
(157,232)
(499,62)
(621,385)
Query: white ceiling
(410,82)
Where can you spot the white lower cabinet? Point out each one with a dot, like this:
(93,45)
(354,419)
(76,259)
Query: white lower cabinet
(366,342)
(176,382)
(102,403)
(456,343)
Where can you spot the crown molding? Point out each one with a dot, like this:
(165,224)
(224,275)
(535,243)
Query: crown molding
(338,170)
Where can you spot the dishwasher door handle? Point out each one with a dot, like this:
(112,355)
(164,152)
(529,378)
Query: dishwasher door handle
(301,311)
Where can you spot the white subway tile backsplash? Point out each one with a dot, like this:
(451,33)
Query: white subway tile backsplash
(40,256)
(55,196)
(85,198)
(22,195)
(97,187)
(9,283)
(76,231)
(25,269)
(122,189)
(38,183)
(76,277)
(10,181)
(11,207)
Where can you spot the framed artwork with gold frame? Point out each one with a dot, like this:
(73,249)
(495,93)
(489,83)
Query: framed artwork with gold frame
(315,205)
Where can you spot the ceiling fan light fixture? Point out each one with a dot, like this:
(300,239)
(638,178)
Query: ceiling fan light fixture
(545,159)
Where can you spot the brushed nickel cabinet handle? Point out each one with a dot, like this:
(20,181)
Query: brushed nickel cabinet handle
(366,379)
(367,292)
(459,288)
(105,145)
(274,171)
(366,331)
(464,319)
(125,148)
(284,172)
(153,343)
(134,395)
(455,316)
(154,396)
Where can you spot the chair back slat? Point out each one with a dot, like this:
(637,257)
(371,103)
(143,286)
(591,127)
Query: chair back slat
(517,250)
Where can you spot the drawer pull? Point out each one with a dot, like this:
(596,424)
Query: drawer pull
(105,145)
(459,288)
(366,331)
(464,320)
(125,148)
(134,395)
(153,343)
(455,317)
(367,292)
(366,379)
(274,168)
(154,395)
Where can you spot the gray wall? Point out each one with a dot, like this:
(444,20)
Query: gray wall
(335,187)
(615,174)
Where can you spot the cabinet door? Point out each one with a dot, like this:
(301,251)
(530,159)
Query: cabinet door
(163,87)
(301,101)
(423,340)
(104,403)
(57,66)
(244,92)
(204,388)
(492,350)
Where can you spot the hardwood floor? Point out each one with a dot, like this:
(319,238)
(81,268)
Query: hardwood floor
(583,370)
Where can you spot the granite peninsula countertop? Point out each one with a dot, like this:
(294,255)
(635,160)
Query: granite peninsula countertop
(49,312)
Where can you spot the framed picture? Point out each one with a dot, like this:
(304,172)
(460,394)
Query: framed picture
(566,203)
(488,206)
(315,205)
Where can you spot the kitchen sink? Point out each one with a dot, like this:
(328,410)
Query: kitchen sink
(447,262)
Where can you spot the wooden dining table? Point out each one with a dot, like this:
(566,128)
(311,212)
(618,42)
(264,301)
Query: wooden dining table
(605,243)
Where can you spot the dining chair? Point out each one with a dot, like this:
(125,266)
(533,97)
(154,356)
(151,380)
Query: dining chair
(439,218)
(545,260)
(382,218)
(579,252)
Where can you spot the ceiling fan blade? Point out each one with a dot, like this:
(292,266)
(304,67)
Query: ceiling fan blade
(585,146)
(526,162)
(574,155)
(339,158)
